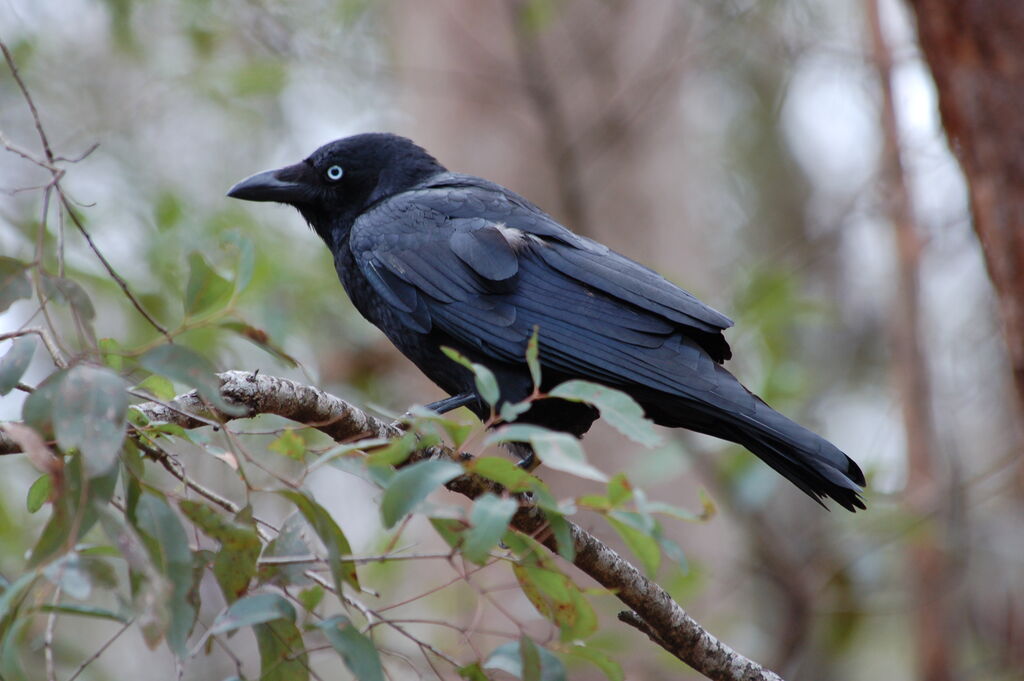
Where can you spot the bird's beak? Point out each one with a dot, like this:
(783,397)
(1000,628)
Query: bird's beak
(284,185)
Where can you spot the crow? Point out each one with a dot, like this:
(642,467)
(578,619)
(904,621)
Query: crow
(435,258)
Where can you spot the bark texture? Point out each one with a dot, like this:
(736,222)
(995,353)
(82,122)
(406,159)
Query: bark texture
(973,48)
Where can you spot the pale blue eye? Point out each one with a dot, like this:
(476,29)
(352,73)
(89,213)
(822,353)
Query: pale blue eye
(334,173)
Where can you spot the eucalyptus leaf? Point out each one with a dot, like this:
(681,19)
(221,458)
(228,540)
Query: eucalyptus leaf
(411,485)
(89,415)
(15,362)
(490,517)
(206,290)
(617,408)
(14,283)
(186,366)
(330,534)
(251,610)
(356,650)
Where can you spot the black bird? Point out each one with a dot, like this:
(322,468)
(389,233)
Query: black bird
(435,258)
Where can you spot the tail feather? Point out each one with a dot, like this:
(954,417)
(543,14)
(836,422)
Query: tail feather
(806,459)
(809,461)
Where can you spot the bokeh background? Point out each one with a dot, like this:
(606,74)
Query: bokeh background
(740,148)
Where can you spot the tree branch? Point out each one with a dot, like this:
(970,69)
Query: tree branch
(652,610)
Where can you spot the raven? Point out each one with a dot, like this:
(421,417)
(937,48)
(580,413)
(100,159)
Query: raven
(435,258)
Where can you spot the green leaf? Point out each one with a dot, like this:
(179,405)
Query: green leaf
(311,597)
(158,386)
(260,338)
(451,530)
(251,610)
(509,658)
(85,611)
(185,366)
(639,541)
(504,472)
(111,353)
(532,360)
(70,292)
(559,527)
(411,485)
(38,493)
(609,667)
(472,672)
(14,594)
(486,383)
(37,411)
(246,258)
(235,563)
(15,362)
(206,290)
(560,451)
(89,415)
(330,534)
(77,574)
(559,599)
(167,544)
(619,489)
(356,650)
(14,283)
(290,444)
(74,510)
(619,409)
(395,452)
(283,655)
(510,411)
(489,519)
(292,541)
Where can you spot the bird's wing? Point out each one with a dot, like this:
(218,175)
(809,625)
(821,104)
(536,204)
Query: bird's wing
(594,264)
(487,284)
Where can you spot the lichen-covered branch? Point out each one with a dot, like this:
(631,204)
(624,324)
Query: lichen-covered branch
(651,609)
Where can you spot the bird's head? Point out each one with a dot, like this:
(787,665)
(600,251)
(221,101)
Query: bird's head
(340,180)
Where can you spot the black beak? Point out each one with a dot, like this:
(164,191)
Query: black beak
(284,185)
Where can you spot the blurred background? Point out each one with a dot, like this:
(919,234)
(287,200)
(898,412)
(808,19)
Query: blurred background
(742,148)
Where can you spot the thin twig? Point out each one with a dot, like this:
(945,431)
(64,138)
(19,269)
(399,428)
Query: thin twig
(51,625)
(110,268)
(44,335)
(92,658)
(28,99)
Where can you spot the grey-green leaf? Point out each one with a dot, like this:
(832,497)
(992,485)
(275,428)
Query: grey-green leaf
(557,450)
(15,363)
(186,366)
(255,609)
(532,357)
(619,409)
(490,517)
(330,534)
(486,383)
(206,290)
(356,650)
(411,485)
(283,655)
(509,658)
(89,415)
(14,283)
(167,544)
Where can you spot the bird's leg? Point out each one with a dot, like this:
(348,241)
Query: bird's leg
(451,403)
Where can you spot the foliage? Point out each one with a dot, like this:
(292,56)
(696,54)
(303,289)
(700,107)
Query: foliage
(119,531)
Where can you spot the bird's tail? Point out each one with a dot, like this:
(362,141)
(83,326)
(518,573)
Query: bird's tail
(806,459)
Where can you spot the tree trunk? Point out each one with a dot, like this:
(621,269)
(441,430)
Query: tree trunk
(975,53)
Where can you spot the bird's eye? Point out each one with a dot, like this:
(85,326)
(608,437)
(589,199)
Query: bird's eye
(334,173)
